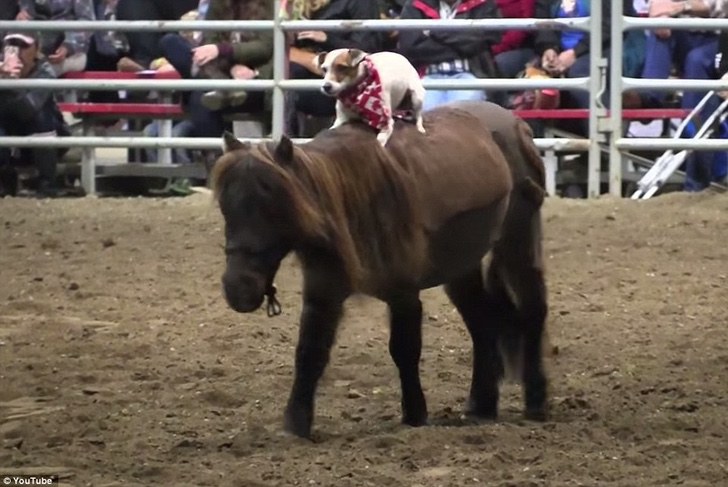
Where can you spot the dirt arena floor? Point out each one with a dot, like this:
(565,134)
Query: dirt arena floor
(120,364)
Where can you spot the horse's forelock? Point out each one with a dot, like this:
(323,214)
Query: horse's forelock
(308,216)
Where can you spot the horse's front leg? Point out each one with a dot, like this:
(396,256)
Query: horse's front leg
(405,347)
(319,321)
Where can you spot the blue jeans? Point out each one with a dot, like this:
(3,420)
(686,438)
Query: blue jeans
(185,128)
(694,53)
(435,98)
(511,63)
(178,51)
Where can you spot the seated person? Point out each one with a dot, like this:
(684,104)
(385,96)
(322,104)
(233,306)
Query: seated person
(26,112)
(144,46)
(566,53)
(693,52)
(515,49)
(462,54)
(241,55)
(183,128)
(305,45)
(65,51)
(106,47)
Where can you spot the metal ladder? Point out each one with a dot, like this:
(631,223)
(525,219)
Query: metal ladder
(670,161)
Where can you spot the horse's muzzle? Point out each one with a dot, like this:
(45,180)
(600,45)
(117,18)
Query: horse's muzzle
(243,299)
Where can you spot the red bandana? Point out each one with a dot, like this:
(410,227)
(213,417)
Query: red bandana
(365,98)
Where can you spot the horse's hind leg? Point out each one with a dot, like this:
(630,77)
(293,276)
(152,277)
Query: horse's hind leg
(405,347)
(478,309)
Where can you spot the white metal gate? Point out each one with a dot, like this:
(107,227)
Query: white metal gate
(603,129)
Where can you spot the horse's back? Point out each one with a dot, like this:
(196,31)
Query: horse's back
(457,166)
(513,136)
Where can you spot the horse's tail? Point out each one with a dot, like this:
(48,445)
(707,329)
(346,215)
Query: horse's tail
(510,347)
(516,273)
(534,185)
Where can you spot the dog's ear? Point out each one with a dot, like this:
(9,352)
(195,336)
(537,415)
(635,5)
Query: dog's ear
(231,143)
(318,61)
(356,56)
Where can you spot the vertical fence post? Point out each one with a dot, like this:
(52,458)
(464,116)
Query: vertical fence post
(595,77)
(615,104)
(88,161)
(279,70)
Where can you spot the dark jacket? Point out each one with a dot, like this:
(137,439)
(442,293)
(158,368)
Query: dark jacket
(22,104)
(255,49)
(346,10)
(438,46)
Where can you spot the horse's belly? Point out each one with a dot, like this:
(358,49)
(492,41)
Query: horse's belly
(461,243)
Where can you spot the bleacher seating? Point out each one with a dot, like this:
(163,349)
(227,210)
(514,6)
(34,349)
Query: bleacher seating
(164,109)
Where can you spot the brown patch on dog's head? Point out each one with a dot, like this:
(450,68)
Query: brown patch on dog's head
(340,68)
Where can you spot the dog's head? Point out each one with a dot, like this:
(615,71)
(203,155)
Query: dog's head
(341,68)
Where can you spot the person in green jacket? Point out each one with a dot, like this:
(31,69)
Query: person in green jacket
(240,55)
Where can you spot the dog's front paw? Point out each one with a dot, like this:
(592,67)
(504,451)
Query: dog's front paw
(383,137)
(420,124)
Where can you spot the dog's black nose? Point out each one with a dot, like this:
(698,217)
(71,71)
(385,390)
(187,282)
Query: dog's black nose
(327,87)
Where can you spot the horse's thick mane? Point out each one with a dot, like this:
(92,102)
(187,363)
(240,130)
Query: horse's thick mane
(353,196)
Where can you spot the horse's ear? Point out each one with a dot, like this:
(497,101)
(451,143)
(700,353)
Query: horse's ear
(231,143)
(284,151)
(318,61)
(356,56)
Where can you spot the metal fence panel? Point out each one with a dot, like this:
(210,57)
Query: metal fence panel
(599,125)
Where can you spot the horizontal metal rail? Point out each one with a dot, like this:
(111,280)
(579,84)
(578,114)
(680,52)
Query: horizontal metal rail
(663,144)
(682,23)
(556,144)
(674,84)
(580,23)
(261,85)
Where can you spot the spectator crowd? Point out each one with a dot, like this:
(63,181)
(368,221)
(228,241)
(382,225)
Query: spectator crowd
(246,55)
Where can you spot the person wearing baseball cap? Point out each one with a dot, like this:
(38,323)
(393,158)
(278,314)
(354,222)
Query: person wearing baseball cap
(21,39)
(28,112)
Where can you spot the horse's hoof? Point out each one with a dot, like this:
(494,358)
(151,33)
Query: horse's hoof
(536,414)
(415,420)
(485,409)
(297,423)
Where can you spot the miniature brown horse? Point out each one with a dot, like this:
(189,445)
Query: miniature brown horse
(389,222)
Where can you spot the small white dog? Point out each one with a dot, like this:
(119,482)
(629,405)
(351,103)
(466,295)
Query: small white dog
(370,87)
